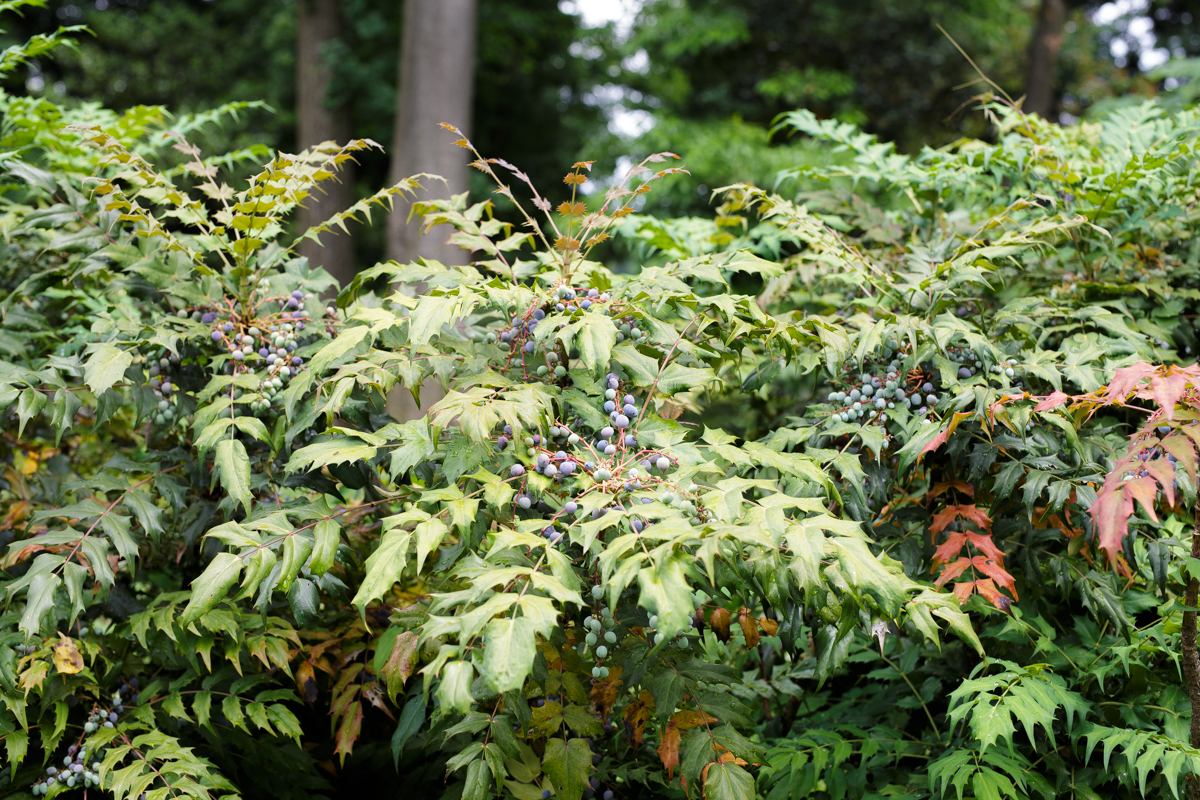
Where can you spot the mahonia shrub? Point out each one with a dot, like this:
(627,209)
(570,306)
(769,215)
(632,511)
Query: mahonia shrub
(699,528)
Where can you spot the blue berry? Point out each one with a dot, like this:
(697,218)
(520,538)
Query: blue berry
(216,336)
(517,471)
(622,421)
(610,406)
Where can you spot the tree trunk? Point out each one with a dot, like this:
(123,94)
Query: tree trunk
(1043,57)
(319,120)
(437,81)
(1191,659)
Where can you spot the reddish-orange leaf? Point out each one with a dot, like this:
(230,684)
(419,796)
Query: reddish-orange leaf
(770,627)
(971,512)
(959,486)
(1111,520)
(1163,471)
(1182,448)
(952,571)
(1167,390)
(989,592)
(949,549)
(963,590)
(1126,380)
(976,515)
(719,622)
(942,519)
(996,572)
(668,748)
(983,542)
(941,438)
(583,165)
(1145,491)
(1053,400)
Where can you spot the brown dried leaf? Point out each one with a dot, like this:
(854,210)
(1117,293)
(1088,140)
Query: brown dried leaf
(749,629)
(401,663)
(668,748)
(306,682)
(686,720)
(719,622)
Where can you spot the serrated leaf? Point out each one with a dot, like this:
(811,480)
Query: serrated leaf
(105,366)
(233,469)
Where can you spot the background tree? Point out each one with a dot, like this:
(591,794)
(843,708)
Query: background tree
(321,117)
(436,81)
(1044,46)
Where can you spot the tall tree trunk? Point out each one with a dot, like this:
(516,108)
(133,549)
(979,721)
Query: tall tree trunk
(1191,659)
(1043,58)
(319,120)
(437,81)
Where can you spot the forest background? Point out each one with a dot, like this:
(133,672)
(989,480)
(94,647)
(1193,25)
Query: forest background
(545,83)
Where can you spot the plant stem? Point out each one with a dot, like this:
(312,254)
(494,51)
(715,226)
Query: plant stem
(1191,660)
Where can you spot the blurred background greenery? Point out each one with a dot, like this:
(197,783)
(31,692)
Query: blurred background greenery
(612,80)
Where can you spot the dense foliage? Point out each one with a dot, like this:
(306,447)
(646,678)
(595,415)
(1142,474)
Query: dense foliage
(879,489)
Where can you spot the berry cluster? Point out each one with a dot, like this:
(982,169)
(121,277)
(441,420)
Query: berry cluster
(164,388)
(262,337)
(600,628)
(886,385)
(75,771)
